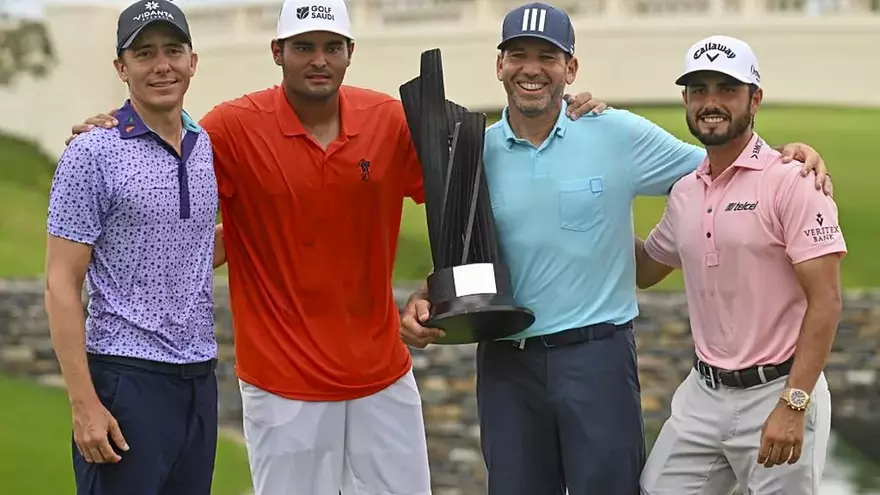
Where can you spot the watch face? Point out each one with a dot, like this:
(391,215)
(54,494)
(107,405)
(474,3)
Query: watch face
(798,398)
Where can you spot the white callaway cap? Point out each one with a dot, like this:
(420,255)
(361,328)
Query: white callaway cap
(305,16)
(725,55)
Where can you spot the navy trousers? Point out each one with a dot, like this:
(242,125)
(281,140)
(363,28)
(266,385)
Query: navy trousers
(170,424)
(557,418)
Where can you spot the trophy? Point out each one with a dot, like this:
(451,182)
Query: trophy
(470,291)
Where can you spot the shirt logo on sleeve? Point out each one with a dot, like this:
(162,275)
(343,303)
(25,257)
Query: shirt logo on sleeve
(822,233)
(745,206)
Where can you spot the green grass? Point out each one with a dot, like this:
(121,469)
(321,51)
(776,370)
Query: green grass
(844,137)
(35,435)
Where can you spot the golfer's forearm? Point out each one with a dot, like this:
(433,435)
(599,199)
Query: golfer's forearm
(67,328)
(814,343)
(649,272)
(219,246)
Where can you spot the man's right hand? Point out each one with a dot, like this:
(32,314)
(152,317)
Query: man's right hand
(105,120)
(416,312)
(93,428)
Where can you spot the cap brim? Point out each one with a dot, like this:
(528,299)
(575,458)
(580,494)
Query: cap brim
(683,79)
(138,31)
(296,32)
(538,36)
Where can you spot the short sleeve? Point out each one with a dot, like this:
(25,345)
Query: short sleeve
(414,184)
(215,124)
(659,159)
(79,198)
(661,244)
(808,218)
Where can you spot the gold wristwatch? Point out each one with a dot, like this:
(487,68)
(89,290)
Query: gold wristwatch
(796,398)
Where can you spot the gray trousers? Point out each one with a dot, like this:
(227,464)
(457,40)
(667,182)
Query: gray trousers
(709,445)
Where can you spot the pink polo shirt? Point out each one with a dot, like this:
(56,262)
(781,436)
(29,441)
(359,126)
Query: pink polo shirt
(737,239)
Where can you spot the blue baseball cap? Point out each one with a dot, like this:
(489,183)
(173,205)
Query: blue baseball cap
(539,20)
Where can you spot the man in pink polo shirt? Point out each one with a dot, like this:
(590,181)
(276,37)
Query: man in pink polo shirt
(760,249)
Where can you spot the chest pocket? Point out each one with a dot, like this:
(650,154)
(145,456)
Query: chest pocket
(581,206)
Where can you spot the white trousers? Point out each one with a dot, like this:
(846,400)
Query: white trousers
(370,446)
(709,445)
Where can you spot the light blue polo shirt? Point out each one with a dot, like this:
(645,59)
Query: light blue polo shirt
(563,212)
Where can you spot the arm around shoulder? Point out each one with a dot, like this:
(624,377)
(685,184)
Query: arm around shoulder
(658,158)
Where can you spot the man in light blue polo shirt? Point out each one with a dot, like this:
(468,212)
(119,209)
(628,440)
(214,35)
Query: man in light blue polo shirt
(559,403)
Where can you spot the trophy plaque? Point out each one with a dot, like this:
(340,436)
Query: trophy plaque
(470,291)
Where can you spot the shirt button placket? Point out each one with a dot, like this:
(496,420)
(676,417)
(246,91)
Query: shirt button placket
(709,228)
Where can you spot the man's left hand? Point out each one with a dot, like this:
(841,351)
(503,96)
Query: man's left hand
(812,163)
(582,104)
(782,437)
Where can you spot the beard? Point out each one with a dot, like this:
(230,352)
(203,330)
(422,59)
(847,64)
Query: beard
(533,106)
(736,126)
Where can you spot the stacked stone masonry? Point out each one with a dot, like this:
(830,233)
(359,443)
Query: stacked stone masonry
(446,373)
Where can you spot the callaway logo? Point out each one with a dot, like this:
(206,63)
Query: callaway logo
(315,12)
(713,47)
(756,74)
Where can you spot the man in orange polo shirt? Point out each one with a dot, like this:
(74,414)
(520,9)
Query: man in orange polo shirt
(312,176)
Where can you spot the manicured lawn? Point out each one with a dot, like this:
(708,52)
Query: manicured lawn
(35,435)
(844,137)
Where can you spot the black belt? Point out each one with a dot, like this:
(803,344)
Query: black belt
(744,378)
(571,336)
(186,370)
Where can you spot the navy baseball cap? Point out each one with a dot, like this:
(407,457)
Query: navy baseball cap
(142,13)
(539,20)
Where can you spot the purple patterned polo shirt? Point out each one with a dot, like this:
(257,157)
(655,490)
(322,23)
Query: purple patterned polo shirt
(149,215)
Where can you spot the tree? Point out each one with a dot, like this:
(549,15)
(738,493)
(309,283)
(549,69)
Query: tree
(25,47)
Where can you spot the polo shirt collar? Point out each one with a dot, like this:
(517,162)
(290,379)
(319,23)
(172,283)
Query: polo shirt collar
(562,122)
(131,125)
(292,126)
(753,157)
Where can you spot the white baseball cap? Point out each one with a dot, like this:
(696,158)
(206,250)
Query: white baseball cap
(305,16)
(725,55)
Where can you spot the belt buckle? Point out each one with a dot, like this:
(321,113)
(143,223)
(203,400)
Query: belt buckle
(546,344)
(709,375)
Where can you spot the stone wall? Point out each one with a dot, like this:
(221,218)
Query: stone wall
(446,373)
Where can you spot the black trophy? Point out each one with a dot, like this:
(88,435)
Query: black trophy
(470,291)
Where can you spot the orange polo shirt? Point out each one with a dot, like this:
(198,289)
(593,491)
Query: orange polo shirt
(311,237)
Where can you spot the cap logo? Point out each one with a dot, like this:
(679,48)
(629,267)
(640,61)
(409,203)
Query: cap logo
(756,74)
(151,12)
(533,20)
(315,12)
(713,47)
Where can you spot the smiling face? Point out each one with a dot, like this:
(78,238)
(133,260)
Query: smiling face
(158,67)
(535,73)
(718,107)
(313,64)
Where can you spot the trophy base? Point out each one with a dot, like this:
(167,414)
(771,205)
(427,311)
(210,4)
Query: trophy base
(479,318)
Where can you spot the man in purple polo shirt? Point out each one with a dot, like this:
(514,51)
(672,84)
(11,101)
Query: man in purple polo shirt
(132,212)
